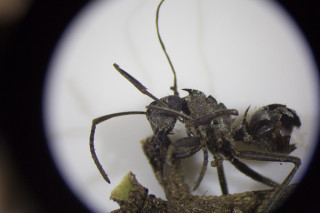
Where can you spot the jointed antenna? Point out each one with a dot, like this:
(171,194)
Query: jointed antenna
(95,122)
(137,84)
(174,87)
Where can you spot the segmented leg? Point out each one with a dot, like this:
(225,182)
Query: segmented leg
(203,168)
(222,178)
(198,121)
(180,149)
(277,157)
(252,174)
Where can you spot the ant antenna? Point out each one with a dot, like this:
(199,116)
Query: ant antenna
(174,87)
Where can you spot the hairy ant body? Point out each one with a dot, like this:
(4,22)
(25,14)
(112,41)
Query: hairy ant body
(210,126)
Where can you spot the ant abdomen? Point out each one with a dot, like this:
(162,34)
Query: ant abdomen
(271,126)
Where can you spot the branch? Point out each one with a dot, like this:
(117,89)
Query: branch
(133,197)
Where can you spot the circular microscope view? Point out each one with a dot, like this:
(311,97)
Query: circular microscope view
(243,54)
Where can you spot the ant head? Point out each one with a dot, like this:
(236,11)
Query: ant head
(161,121)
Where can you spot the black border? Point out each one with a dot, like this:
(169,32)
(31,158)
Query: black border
(306,196)
(26,62)
(21,86)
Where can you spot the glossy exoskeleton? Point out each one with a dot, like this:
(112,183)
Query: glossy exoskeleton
(211,126)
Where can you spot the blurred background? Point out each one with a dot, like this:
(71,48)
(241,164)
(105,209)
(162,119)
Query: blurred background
(14,195)
(28,180)
(29,30)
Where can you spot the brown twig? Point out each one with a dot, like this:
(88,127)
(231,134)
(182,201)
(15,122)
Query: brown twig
(180,199)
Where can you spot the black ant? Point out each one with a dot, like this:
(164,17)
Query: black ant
(210,126)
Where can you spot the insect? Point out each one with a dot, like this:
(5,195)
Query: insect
(211,127)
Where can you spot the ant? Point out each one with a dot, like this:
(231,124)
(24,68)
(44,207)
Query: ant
(210,126)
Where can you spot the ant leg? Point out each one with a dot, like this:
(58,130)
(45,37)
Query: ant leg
(200,120)
(180,149)
(251,173)
(222,178)
(137,84)
(203,168)
(95,122)
(183,148)
(208,118)
(278,157)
